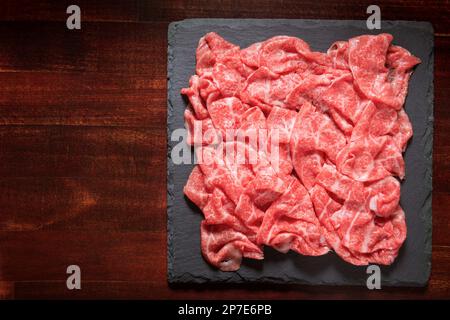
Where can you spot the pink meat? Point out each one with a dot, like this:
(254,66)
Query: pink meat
(365,226)
(381,70)
(291,224)
(372,152)
(224,247)
(299,150)
(280,123)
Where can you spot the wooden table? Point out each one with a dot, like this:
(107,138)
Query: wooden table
(83,146)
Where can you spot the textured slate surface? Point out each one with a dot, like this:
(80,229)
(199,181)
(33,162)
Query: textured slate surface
(412,266)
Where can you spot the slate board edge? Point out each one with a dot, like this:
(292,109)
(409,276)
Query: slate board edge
(170,257)
(187,278)
(427,212)
(306,23)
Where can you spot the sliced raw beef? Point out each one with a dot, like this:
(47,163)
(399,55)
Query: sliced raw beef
(381,71)
(299,150)
(338,52)
(315,137)
(226,113)
(224,247)
(291,224)
(384,196)
(364,225)
(195,189)
(193,94)
(200,132)
(280,124)
(372,152)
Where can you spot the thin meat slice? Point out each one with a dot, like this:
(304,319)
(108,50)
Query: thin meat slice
(341,186)
(281,120)
(314,138)
(195,188)
(250,55)
(290,223)
(308,165)
(264,190)
(208,90)
(226,237)
(226,114)
(200,132)
(257,87)
(221,210)
(283,54)
(325,206)
(193,95)
(224,247)
(218,60)
(228,80)
(252,126)
(266,89)
(223,171)
(341,97)
(211,49)
(385,196)
(376,239)
(381,71)
(371,159)
(315,131)
(309,91)
(231,168)
(372,153)
(402,130)
(338,52)
(267,184)
(280,123)
(249,213)
(366,234)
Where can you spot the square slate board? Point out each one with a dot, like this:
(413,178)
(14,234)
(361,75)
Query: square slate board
(412,266)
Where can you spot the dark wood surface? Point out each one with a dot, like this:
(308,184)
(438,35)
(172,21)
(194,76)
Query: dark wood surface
(83,146)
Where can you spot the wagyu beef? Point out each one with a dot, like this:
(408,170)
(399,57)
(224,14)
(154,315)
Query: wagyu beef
(299,150)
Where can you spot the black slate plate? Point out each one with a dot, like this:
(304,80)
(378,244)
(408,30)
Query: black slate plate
(412,266)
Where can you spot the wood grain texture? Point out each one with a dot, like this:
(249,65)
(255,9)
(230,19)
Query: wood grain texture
(55,10)
(99,47)
(436,11)
(83,147)
(83,98)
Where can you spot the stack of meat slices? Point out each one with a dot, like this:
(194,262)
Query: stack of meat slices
(340,132)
